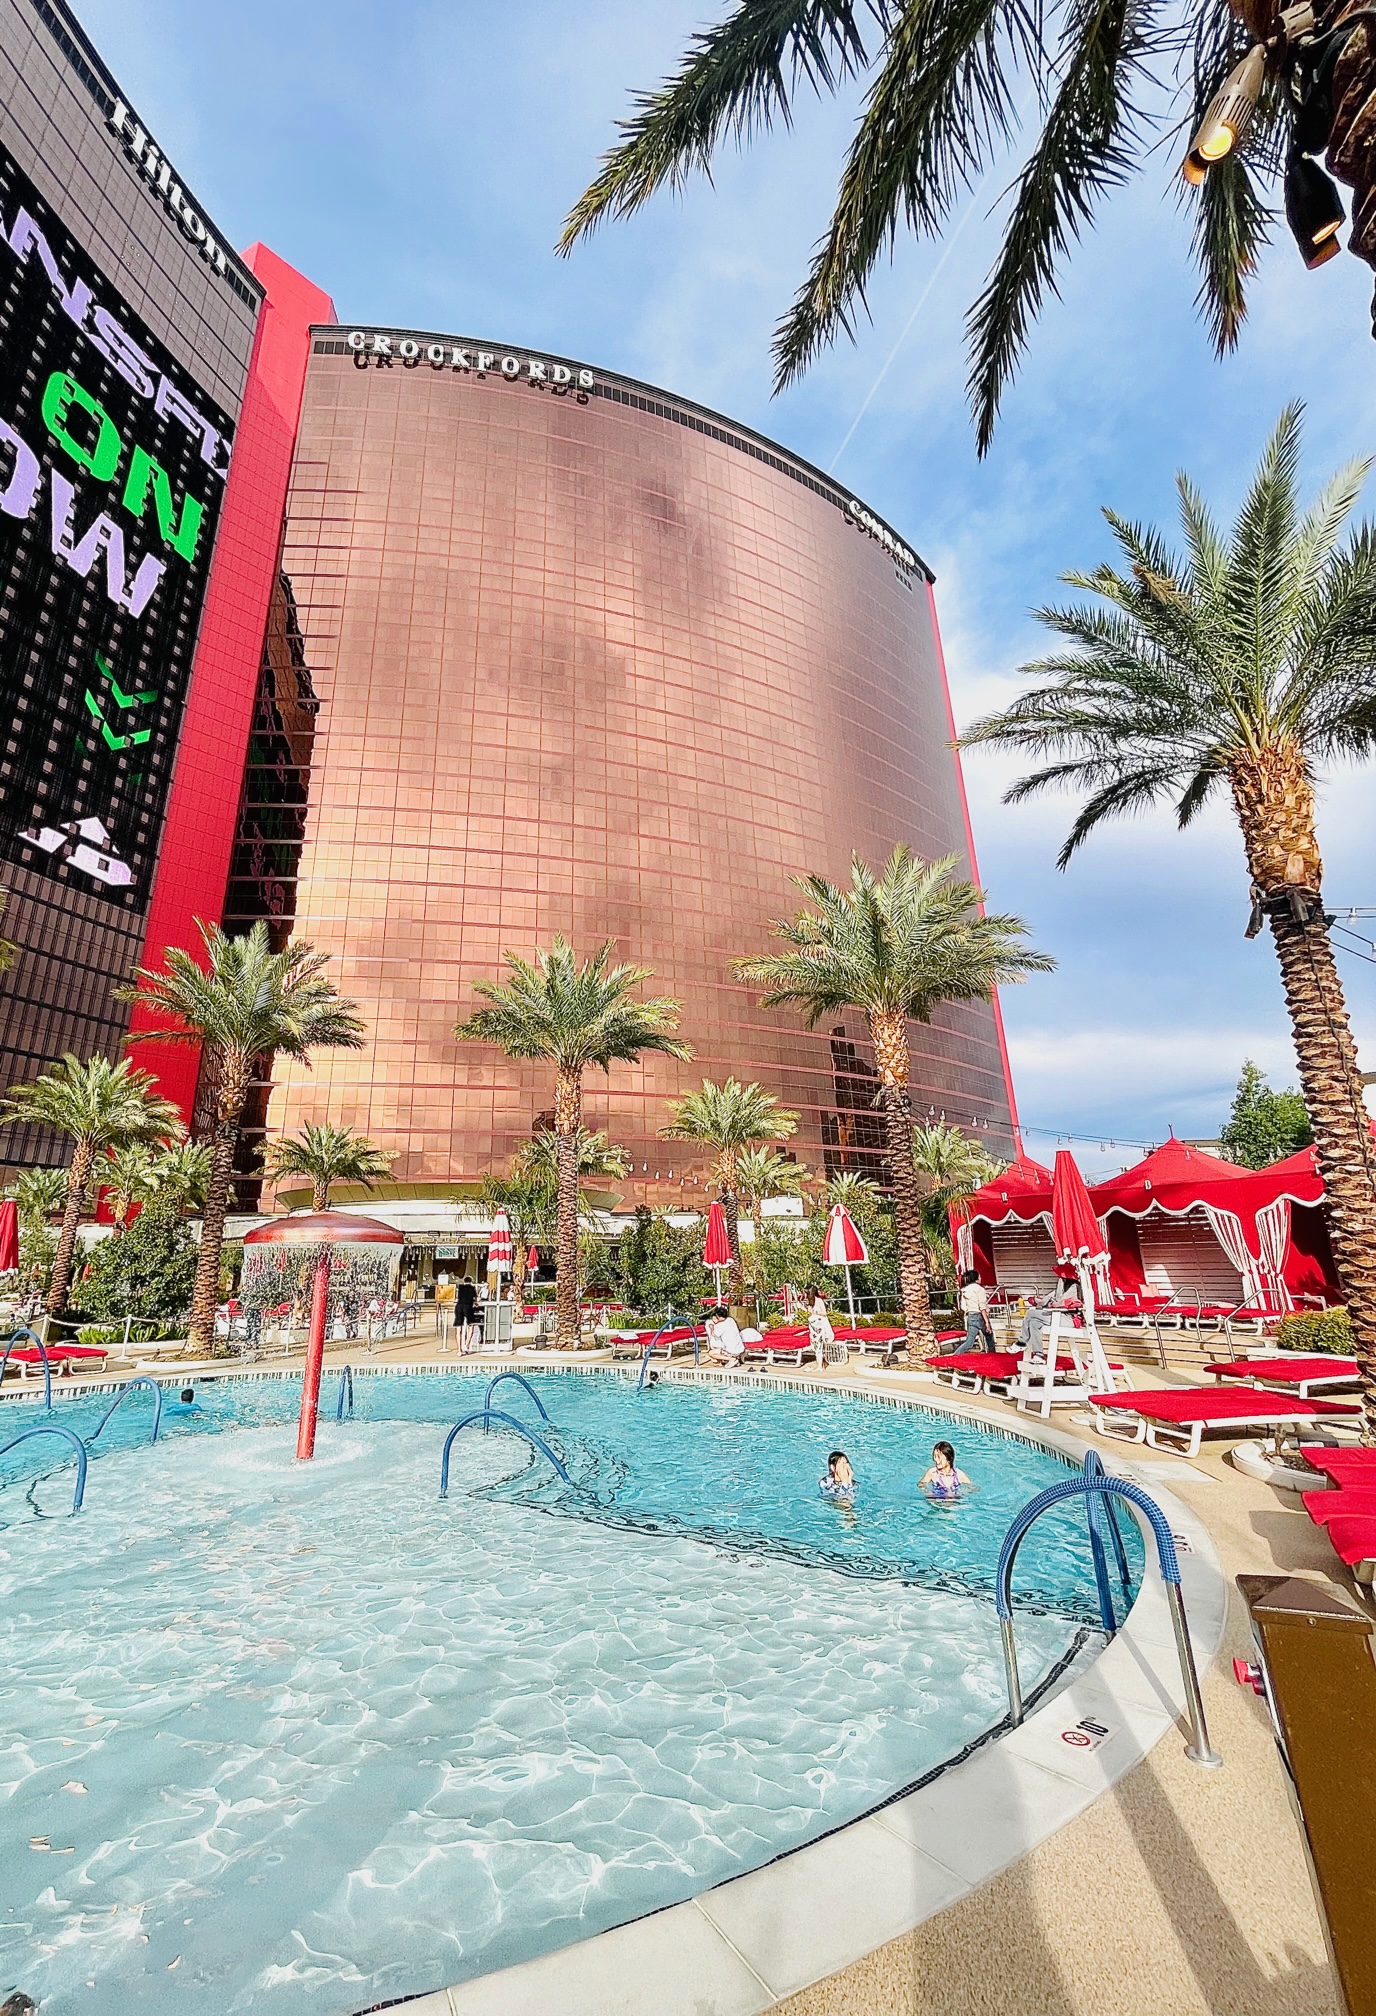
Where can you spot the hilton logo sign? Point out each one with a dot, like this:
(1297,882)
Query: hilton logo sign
(385,347)
(158,174)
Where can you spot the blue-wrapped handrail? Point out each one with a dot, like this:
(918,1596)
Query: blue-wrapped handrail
(346,1387)
(1086,1485)
(493,1384)
(485,1415)
(24,1331)
(124,1393)
(67,1436)
(1098,1506)
(648,1353)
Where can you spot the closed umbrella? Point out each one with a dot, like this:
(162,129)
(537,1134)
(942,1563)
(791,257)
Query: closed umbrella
(9,1235)
(533,1260)
(716,1252)
(1078,1236)
(842,1246)
(499,1245)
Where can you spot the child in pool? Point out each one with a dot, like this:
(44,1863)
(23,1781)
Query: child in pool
(943,1480)
(840,1480)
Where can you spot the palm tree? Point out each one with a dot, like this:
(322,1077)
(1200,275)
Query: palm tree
(1240,667)
(897,946)
(729,1118)
(597,1157)
(100,1105)
(950,1168)
(328,1155)
(246,1002)
(126,1175)
(947,96)
(572,1016)
(40,1194)
(530,1195)
(180,1175)
(859,1196)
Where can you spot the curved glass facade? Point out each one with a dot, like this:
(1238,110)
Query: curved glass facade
(590,660)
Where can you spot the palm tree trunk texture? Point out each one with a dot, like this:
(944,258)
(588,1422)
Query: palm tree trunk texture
(735,1280)
(1342,1135)
(78,1177)
(568,1115)
(1273,796)
(235,1077)
(320,1194)
(889,1034)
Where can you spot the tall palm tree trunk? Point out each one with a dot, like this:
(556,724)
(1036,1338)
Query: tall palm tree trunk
(1274,799)
(235,1077)
(78,1178)
(320,1194)
(731,1205)
(1346,1153)
(889,1034)
(568,1117)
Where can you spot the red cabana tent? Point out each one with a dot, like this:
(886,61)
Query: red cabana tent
(1004,1229)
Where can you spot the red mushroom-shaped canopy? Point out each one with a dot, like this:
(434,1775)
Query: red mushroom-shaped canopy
(325,1228)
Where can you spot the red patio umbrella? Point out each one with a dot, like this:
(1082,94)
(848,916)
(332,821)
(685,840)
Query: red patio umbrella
(1075,1230)
(716,1253)
(533,1260)
(842,1246)
(9,1235)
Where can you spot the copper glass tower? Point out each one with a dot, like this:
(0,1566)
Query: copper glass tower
(589,659)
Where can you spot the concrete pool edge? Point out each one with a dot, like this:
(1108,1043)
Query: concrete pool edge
(738,1949)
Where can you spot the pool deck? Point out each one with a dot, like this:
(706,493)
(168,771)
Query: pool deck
(1029,1881)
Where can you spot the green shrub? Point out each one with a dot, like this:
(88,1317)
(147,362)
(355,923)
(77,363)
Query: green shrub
(100,1334)
(1320,1332)
(147,1271)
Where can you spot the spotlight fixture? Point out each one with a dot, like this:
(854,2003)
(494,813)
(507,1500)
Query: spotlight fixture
(1313,210)
(1226,123)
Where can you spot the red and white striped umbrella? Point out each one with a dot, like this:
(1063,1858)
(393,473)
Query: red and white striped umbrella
(499,1245)
(842,1245)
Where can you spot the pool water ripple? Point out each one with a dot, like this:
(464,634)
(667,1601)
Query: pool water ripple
(284,1737)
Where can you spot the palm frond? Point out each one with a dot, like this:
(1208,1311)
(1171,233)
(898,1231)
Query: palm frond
(734,81)
(1232,227)
(942,102)
(1083,151)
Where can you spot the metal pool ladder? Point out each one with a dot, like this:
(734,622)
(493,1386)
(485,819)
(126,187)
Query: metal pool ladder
(24,1331)
(123,1394)
(67,1436)
(1090,1484)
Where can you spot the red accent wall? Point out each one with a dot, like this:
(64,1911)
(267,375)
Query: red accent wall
(974,865)
(203,805)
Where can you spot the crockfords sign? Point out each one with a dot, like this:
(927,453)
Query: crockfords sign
(385,347)
(158,174)
(867,522)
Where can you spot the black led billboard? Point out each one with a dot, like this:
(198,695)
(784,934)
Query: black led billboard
(112,466)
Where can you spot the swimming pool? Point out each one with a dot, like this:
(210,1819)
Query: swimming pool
(290,1737)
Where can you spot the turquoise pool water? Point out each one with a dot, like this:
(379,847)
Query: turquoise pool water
(277,1737)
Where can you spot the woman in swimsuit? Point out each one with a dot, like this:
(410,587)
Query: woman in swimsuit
(943,1481)
(840,1481)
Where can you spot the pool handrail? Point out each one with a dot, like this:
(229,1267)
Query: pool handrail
(25,1331)
(52,1428)
(346,1385)
(486,1415)
(124,1393)
(1088,1484)
(674,1323)
(1095,1507)
(495,1382)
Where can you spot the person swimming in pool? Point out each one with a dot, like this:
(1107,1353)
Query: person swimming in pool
(943,1481)
(840,1481)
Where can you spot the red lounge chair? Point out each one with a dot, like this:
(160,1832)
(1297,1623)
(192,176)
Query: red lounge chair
(883,1343)
(1324,1507)
(1175,1419)
(991,1371)
(789,1346)
(1282,1374)
(1343,1467)
(1353,1540)
(59,1355)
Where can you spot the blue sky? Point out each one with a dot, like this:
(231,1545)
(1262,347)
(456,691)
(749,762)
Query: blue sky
(417,158)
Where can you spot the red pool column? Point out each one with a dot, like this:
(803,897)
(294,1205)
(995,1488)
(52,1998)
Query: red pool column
(315,1358)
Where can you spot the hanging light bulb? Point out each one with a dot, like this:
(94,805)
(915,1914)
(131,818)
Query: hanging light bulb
(1228,120)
